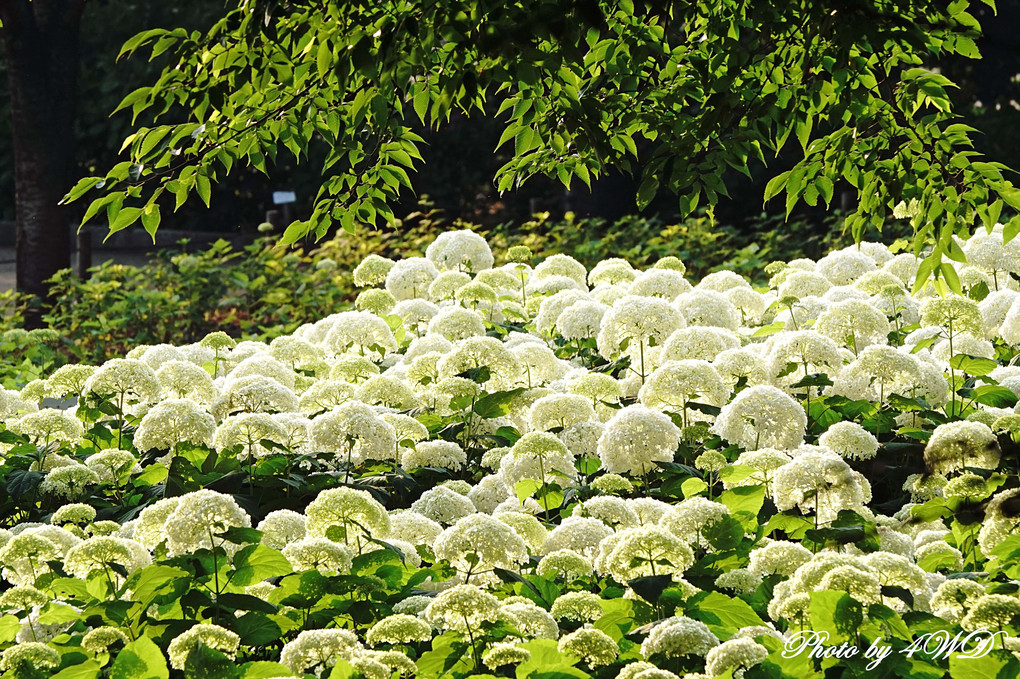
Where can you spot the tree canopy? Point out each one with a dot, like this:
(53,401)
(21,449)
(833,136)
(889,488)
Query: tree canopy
(672,92)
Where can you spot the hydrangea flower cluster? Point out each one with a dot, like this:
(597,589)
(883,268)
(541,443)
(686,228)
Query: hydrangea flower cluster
(529,466)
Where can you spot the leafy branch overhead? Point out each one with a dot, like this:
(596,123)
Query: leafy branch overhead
(673,92)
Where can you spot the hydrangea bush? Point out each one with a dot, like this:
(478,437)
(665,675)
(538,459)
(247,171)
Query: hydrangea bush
(534,469)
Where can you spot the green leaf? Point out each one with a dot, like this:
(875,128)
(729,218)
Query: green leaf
(723,615)
(239,535)
(996,665)
(89,669)
(994,396)
(150,220)
(1011,229)
(158,584)
(525,488)
(776,185)
(262,669)
(257,629)
(836,613)
(204,662)
(140,659)
(255,563)
(204,188)
(323,59)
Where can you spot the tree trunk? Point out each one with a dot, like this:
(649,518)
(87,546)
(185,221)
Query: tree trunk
(40,41)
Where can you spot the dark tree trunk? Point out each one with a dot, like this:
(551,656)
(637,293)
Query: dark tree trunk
(40,41)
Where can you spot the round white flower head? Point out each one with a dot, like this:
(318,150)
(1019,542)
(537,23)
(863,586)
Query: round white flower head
(47,426)
(750,304)
(577,533)
(319,554)
(324,395)
(854,324)
(375,301)
(184,379)
(248,430)
(173,421)
(553,306)
(70,482)
(581,320)
(410,278)
(568,565)
(412,527)
(398,629)
(319,648)
(991,611)
(687,519)
(100,639)
(612,511)
(801,284)
(612,271)
(435,454)
(635,439)
(593,646)
(29,656)
(443,505)
(355,433)
(127,380)
(388,391)
(416,314)
(643,551)
(352,368)
(504,653)
(699,342)
(736,656)
(463,608)
(460,251)
(762,416)
(105,554)
(197,519)
(707,307)
(213,636)
(953,314)
(843,267)
(880,371)
(809,351)
(1001,520)
(850,440)
(675,385)
(954,446)
(820,481)
(372,270)
(359,332)
(446,285)
(679,636)
(577,606)
(254,393)
(665,284)
(561,265)
(484,360)
(641,323)
(68,379)
(296,353)
(282,527)
(477,543)
(355,513)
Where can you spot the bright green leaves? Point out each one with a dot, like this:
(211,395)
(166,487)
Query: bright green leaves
(140,659)
(614,89)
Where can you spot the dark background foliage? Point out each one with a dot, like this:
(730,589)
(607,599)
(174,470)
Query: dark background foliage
(459,159)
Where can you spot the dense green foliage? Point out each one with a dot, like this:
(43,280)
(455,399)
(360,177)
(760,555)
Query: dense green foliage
(674,93)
